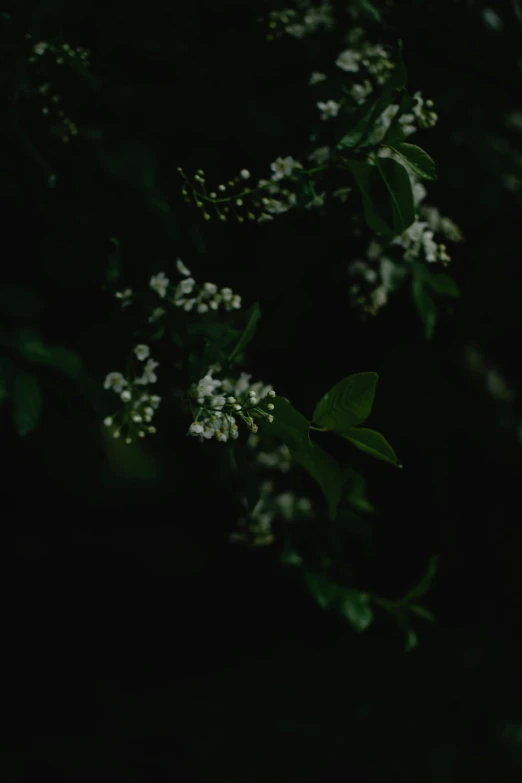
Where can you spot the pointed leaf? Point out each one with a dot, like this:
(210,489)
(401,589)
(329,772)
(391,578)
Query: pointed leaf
(443,284)
(372,443)
(398,184)
(290,426)
(326,471)
(417,159)
(250,329)
(355,606)
(347,403)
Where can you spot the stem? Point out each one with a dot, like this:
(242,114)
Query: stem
(319,429)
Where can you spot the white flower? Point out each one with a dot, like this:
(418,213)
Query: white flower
(202,308)
(283,167)
(296,30)
(186,286)
(206,386)
(329,109)
(154,401)
(40,48)
(108,421)
(320,155)
(142,352)
(196,429)
(115,381)
(274,206)
(210,288)
(379,297)
(182,269)
(360,92)
(188,304)
(156,314)
(125,297)
(227,294)
(149,376)
(492,19)
(264,217)
(430,247)
(159,283)
(348,61)
(244,174)
(419,192)
(316,77)
(125,396)
(342,193)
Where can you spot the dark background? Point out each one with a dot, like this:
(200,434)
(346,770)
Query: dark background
(137,639)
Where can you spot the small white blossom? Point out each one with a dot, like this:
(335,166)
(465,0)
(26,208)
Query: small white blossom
(149,376)
(115,381)
(159,283)
(348,61)
(156,315)
(283,167)
(125,396)
(244,174)
(328,109)
(125,297)
(202,308)
(210,288)
(316,78)
(195,429)
(186,286)
(142,352)
(40,47)
(182,269)
(320,155)
(108,421)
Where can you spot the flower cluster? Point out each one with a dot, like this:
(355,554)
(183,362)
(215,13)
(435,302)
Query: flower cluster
(308,18)
(63,126)
(255,528)
(189,295)
(134,419)
(221,404)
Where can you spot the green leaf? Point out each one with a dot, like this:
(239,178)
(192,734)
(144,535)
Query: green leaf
(369,10)
(58,357)
(289,426)
(398,185)
(372,443)
(443,284)
(355,606)
(27,402)
(326,471)
(411,641)
(425,583)
(325,593)
(425,305)
(250,329)
(355,490)
(421,611)
(347,403)
(417,159)
(373,194)
(387,195)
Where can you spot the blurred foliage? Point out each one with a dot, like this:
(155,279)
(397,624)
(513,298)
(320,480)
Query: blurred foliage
(142,640)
